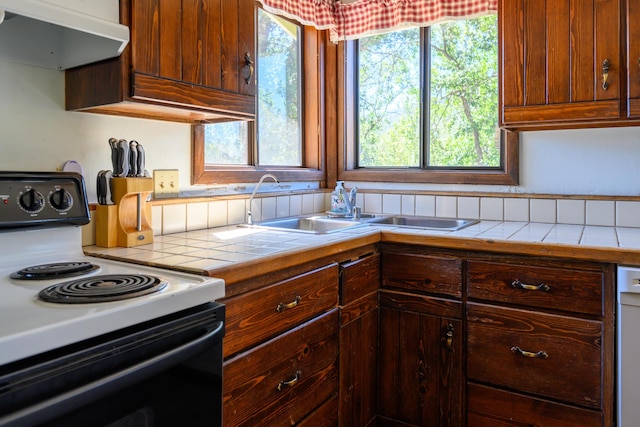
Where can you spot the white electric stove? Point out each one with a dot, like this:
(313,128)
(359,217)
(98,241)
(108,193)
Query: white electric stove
(30,325)
(55,300)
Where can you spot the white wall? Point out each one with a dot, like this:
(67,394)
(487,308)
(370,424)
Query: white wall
(38,134)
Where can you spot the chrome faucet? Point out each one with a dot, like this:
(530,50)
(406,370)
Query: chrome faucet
(255,190)
(350,201)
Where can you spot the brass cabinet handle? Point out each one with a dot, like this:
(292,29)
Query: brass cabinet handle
(449,336)
(605,74)
(285,305)
(247,68)
(291,382)
(541,287)
(539,355)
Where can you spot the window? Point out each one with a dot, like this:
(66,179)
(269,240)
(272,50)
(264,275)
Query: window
(241,151)
(423,107)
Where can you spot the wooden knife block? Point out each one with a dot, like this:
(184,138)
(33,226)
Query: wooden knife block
(127,223)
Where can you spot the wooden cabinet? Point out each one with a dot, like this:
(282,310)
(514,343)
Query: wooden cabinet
(561,62)
(359,284)
(539,342)
(478,339)
(633,58)
(185,62)
(281,351)
(420,340)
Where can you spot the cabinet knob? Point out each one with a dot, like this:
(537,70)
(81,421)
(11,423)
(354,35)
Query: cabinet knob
(247,68)
(605,74)
(449,336)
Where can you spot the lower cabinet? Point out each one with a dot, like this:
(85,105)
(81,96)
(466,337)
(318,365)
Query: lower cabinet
(415,336)
(420,360)
(281,353)
(421,340)
(540,342)
(529,341)
(282,381)
(359,284)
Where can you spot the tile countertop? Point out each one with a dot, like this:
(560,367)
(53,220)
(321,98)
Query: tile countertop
(238,253)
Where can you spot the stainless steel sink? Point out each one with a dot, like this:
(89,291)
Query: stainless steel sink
(322,224)
(310,225)
(434,223)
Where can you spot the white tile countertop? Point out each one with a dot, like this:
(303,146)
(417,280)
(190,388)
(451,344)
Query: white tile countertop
(217,250)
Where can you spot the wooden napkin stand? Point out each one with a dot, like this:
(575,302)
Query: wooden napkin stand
(126,223)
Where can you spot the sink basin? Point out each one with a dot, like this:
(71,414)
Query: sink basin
(434,223)
(311,225)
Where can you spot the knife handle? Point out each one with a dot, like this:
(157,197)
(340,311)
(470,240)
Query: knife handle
(133,158)
(123,158)
(141,160)
(113,143)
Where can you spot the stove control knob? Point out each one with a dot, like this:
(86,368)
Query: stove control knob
(61,200)
(31,201)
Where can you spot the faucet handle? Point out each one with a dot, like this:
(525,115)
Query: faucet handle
(357,212)
(352,196)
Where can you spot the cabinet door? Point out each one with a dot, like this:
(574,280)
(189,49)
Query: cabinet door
(358,361)
(359,283)
(633,57)
(203,42)
(561,62)
(420,360)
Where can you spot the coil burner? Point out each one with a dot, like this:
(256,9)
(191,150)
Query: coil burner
(104,288)
(57,270)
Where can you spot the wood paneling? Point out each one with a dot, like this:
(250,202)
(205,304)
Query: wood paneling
(552,54)
(183,56)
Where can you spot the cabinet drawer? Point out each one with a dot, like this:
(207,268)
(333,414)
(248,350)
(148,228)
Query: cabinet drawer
(489,407)
(325,416)
(423,273)
(256,316)
(281,381)
(536,286)
(359,278)
(564,359)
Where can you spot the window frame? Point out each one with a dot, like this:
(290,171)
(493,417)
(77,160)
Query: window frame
(313,102)
(506,174)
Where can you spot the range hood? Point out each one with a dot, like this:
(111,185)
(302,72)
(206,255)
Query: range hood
(60,34)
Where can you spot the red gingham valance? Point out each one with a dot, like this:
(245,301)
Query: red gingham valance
(352,19)
(316,13)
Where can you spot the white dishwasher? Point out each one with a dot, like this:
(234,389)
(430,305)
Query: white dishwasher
(628,347)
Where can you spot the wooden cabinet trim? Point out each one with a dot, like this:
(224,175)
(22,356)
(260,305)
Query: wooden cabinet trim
(160,90)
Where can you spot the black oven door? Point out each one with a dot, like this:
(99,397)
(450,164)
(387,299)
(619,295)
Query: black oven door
(167,372)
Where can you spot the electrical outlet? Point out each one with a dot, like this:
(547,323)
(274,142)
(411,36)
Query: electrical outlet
(165,183)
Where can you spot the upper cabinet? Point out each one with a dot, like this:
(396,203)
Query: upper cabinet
(562,63)
(633,55)
(188,61)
